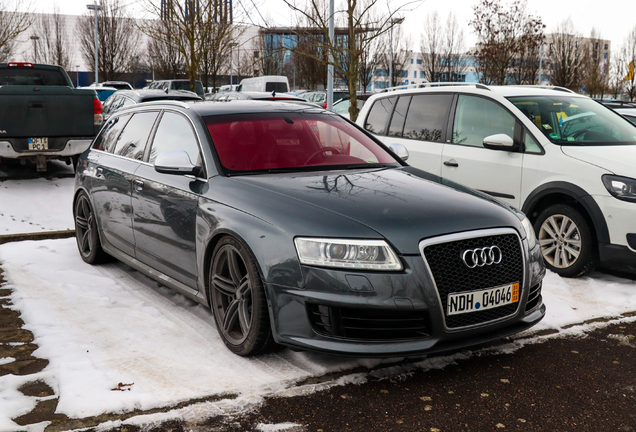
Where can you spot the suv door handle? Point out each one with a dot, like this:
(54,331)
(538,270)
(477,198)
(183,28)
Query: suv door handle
(138,185)
(451,163)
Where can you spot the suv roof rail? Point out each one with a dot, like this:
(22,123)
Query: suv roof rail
(169,102)
(546,87)
(436,84)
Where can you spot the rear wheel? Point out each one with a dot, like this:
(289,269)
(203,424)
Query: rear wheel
(86,233)
(566,241)
(238,299)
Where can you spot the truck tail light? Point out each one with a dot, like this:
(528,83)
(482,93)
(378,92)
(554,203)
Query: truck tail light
(97,112)
(19,64)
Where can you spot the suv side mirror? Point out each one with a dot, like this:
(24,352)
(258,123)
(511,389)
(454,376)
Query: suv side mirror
(499,142)
(175,162)
(399,150)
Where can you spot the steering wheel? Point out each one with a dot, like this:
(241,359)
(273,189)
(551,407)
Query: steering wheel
(322,150)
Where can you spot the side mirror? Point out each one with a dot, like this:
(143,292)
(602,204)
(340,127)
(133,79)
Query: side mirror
(399,150)
(499,142)
(175,162)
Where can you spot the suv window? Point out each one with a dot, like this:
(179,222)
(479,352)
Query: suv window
(379,115)
(132,141)
(477,117)
(174,133)
(278,87)
(107,138)
(427,117)
(399,115)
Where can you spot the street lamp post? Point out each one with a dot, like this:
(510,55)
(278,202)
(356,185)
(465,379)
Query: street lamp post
(394,22)
(232,45)
(95,8)
(35,39)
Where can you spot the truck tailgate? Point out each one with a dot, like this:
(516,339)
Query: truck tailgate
(27,111)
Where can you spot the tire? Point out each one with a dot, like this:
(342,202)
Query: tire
(566,240)
(237,299)
(86,233)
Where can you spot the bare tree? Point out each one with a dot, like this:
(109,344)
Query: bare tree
(568,54)
(629,58)
(362,24)
(369,63)
(504,36)
(12,23)
(165,60)
(53,43)
(221,40)
(401,55)
(200,30)
(118,39)
(453,48)
(596,67)
(431,42)
(271,54)
(308,61)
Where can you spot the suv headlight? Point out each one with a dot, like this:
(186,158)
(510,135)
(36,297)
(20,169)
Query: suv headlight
(343,253)
(527,226)
(623,188)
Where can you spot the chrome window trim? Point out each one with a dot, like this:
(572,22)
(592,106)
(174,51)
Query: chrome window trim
(474,234)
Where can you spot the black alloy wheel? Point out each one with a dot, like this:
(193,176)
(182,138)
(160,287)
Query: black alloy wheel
(566,241)
(86,233)
(238,299)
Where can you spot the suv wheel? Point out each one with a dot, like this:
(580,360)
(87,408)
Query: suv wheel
(566,241)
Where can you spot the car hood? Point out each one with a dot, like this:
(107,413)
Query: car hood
(402,205)
(618,159)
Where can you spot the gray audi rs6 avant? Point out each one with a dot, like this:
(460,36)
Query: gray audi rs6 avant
(296,227)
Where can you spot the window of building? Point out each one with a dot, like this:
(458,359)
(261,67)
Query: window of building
(419,61)
(411,61)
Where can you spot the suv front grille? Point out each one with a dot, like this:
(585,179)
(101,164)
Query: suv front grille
(367,324)
(451,275)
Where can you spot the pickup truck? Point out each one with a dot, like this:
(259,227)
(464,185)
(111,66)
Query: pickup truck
(42,116)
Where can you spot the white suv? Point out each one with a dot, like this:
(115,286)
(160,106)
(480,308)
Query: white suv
(565,160)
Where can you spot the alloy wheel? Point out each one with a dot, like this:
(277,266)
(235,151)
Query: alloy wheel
(84,224)
(560,241)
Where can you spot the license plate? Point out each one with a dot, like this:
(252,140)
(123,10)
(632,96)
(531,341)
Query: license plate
(475,301)
(38,143)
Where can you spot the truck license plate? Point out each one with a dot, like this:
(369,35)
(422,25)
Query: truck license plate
(475,301)
(38,143)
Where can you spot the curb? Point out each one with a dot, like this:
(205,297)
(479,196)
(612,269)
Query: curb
(47,235)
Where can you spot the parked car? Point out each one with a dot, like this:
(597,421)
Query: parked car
(43,116)
(297,227)
(266,83)
(119,85)
(562,158)
(628,113)
(177,84)
(103,93)
(124,98)
(263,96)
(342,106)
(319,97)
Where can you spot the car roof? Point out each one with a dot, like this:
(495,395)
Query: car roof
(627,111)
(209,108)
(478,88)
(140,95)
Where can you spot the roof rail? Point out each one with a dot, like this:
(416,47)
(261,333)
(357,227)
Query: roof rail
(545,87)
(436,84)
(168,102)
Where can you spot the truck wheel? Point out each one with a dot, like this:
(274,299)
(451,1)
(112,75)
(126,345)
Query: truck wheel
(566,241)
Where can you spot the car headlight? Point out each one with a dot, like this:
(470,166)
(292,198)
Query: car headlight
(527,226)
(343,253)
(623,188)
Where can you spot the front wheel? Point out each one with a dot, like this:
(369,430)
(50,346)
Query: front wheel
(238,299)
(566,241)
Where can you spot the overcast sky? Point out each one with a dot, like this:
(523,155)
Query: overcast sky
(612,18)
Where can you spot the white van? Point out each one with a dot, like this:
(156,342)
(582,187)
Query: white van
(267,83)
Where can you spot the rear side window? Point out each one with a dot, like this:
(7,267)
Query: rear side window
(477,117)
(107,139)
(278,87)
(379,115)
(132,141)
(399,115)
(427,117)
(175,133)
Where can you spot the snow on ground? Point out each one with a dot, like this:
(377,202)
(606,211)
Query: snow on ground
(104,325)
(36,205)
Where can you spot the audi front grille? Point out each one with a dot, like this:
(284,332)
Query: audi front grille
(452,272)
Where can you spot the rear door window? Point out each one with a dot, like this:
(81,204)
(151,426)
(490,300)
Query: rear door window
(108,137)
(379,115)
(427,117)
(131,142)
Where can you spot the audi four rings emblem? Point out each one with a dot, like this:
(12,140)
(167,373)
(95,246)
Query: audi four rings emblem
(482,256)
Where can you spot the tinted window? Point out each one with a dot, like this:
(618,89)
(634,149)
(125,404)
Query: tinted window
(106,140)
(379,115)
(32,77)
(174,133)
(427,117)
(132,141)
(397,121)
(477,117)
(278,87)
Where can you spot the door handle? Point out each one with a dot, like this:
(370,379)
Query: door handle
(451,163)
(99,172)
(138,185)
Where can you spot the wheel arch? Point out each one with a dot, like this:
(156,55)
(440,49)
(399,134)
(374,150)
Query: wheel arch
(567,193)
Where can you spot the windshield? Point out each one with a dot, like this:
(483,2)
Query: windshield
(292,142)
(567,120)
